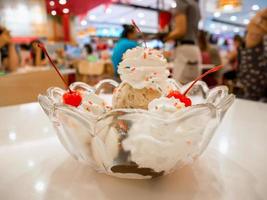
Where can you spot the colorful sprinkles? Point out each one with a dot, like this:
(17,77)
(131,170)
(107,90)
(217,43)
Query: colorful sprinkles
(189,142)
(145,55)
(133,69)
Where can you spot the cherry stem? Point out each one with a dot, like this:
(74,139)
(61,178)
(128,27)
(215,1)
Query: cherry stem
(138,29)
(40,45)
(214,69)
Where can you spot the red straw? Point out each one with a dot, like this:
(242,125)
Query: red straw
(40,45)
(138,29)
(214,69)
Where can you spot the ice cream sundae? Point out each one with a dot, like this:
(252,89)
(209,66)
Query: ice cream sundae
(151,126)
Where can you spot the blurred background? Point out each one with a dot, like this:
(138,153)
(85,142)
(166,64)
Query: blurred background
(86,40)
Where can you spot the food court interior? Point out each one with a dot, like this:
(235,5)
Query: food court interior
(169,90)
(80,37)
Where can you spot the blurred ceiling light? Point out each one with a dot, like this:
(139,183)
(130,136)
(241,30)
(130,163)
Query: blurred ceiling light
(143,22)
(12,136)
(212,26)
(217,14)
(53,12)
(229,5)
(255,7)
(141,15)
(236,30)
(224,28)
(66,10)
(233,18)
(108,10)
(105,31)
(62,2)
(31,163)
(122,20)
(21,7)
(83,22)
(224,146)
(92,17)
(51,3)
(39,186)
(245,21)
(173,4)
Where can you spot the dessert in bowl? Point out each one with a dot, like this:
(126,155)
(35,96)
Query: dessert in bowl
(153,126)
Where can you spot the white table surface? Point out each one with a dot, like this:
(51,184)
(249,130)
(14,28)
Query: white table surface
(34,165)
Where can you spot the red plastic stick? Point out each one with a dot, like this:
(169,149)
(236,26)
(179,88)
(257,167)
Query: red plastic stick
(214,69)
(138,29)
(52,63)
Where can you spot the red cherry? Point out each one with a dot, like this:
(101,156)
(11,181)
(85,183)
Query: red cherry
(72,98)
(177,95)
(182,97)
(174,93)
(187,101)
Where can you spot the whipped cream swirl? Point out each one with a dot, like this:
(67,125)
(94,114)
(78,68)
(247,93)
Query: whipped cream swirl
(94,104)
(165,106)
(144,68)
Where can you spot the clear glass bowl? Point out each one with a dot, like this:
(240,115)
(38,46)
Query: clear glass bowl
(136,143)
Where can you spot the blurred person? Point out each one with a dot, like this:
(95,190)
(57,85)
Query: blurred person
(89,49)
(89,53)
(252,73)
(8,54)
(187,55)
(209,53)
(127,41)
(37,54)
(213,39)
(25,55)
(60,57)
(232,58)
(256,29)
(225,45)
(210,56)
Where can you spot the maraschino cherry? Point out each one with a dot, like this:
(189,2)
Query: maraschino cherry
(177,95)
(70,97)
(182,97)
